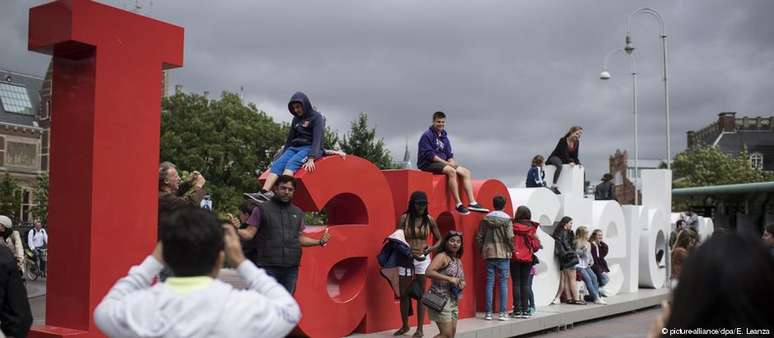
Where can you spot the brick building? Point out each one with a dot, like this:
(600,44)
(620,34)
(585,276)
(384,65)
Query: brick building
(24,132)
(733,134)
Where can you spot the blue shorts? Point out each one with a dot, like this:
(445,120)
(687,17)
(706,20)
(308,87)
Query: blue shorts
(292,159)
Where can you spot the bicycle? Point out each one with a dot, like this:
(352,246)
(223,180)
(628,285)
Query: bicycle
(32,268)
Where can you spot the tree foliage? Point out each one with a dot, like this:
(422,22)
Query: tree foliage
(361,141)
(10,197)
(226,140)
(41,198)
(707,166)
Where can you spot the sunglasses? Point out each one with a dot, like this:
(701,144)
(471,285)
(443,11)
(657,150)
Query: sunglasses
(455,233)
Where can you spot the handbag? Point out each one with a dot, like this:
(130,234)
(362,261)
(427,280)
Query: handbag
(434,301)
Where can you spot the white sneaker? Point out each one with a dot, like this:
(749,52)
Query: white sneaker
(502,317)
(602,292)
(488,316)
(600,301)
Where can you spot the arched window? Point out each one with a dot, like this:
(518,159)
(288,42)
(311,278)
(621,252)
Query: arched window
(756,161)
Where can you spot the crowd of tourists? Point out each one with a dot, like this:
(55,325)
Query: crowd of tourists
(175,290)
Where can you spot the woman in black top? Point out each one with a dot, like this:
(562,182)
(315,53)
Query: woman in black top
(564,250)
(566,152)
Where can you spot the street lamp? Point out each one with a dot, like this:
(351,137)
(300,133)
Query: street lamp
(605,75)
(629,48)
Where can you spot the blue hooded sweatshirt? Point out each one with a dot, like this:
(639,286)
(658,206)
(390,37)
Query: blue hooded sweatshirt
(433,144)
(307,129)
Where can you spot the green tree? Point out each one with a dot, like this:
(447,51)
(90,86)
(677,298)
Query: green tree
(41,198)
(226,140)
(361,141)
(706,166)
(10,197)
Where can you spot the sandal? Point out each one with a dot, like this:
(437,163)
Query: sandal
(577,302)
(401,331)
(418,334)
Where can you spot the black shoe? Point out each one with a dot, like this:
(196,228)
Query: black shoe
(555,190)
(463,210)
(477,208)
(260,197)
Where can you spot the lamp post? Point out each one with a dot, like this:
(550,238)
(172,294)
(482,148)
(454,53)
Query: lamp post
(630,48)
(605,75)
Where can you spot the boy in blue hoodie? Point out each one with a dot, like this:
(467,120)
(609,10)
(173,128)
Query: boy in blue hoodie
(435,155)
(303,146)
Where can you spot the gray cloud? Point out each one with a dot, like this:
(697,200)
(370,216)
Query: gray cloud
(512,75)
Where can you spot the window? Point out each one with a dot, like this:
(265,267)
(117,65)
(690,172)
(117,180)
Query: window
(15,98)
(756,161)
(27,206)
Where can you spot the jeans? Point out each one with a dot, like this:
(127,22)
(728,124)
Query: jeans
(291,159)
(531,294)
(590,279)
(556,162)
(286,276)
(39,259)
(603,279)
(501,265)
(520,283)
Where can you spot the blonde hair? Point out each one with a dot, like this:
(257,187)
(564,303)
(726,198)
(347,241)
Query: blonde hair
(581,237)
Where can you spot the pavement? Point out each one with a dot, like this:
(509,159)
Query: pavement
(632,324)
(36,293)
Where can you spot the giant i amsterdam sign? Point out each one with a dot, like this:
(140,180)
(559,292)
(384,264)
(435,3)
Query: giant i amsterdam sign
(104,159)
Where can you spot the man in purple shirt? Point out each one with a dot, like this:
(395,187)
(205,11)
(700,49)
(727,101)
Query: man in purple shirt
(276,229)
(435,155)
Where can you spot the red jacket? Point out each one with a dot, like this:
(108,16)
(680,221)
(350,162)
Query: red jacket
(525,241)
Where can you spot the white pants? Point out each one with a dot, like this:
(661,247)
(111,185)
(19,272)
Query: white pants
(419,267)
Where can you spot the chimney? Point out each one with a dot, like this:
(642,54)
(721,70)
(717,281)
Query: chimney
(691,135)
(727,122)
(178,89)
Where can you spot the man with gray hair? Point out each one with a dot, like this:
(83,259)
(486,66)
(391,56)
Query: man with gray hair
(173,194)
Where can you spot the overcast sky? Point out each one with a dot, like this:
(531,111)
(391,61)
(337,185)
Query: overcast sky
(512,76)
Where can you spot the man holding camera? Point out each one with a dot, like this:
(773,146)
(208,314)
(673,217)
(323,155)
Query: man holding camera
(173,194)
(193,303)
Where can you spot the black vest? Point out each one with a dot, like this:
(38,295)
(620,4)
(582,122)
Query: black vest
(276,241)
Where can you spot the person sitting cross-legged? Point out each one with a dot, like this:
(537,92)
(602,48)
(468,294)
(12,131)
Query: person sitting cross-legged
(436,156)
(194,245)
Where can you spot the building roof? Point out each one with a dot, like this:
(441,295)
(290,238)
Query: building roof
(17,92)
(753,139)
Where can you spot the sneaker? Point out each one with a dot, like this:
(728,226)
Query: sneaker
(514,314)
(556,190)
(477,208)
(463,210)
(531,311)
(260,197)
(602,292)
(526,314)
(488,316)
(502,317)
(600,301)
(556,301)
